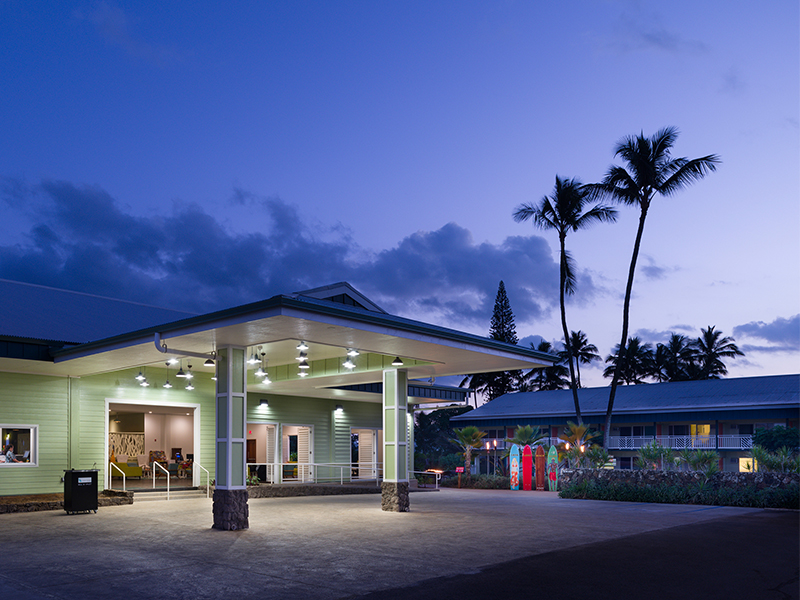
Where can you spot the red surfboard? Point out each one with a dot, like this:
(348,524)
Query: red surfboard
(527,468)
(540,461)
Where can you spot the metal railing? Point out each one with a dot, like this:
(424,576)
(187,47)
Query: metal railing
(208,478)
(683,442)
(316,472)
(156,464)
(111,479)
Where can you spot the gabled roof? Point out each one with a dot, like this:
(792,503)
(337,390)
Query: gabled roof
(343,293)
(37,312)
(774,391)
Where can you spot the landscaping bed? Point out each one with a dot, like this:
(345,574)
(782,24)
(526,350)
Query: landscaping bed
(37,502)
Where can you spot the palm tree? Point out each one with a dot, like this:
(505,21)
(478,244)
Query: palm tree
(637,363)
(468,438)
(566,210)
(650,170)
(546,378)
(675,360)
(582,352)
(711,348)
(525,435)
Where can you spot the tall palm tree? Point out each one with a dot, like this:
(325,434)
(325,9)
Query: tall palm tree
(546,378)
(468,438)
(569,208)
(675,360)
(582,352)
(633,364)
(711,348)
(650,171)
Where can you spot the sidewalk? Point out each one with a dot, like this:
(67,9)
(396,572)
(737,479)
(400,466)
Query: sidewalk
(455,543)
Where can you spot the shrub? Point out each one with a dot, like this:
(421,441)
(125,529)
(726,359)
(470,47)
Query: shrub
(700,493)
(479,482)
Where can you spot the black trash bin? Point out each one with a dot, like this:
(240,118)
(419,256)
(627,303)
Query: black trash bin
(80,490)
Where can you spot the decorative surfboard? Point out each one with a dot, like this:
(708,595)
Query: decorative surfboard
(527,468)
(552,469)
(539,459)
(513,462)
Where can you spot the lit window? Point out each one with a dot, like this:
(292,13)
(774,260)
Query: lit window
(20,445)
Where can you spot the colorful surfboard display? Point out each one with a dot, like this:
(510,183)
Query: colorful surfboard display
(527,468)
(513,461)
(539,459)
(552,469)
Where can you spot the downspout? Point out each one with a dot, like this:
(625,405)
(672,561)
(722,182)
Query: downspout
(162,347)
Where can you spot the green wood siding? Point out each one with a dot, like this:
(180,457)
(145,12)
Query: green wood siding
(42,401)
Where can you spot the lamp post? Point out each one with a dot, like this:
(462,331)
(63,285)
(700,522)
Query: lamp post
(487,457)
(495,456)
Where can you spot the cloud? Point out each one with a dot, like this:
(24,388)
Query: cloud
(782,335)
(651,270)
(113,25)
(82,239)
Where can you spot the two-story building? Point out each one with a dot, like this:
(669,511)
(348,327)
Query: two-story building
(717,414)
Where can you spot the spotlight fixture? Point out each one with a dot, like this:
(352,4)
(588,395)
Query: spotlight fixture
(302,346)
(352,352)
(397,362)
(264,402)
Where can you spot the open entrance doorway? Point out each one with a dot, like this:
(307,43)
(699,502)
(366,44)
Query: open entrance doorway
(297,452)
(366,446)
(262,451)
(139,434)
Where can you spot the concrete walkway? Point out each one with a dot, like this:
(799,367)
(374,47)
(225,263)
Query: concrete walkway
(454,543)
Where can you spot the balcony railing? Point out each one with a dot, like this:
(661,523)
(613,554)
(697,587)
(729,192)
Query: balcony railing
(683,442)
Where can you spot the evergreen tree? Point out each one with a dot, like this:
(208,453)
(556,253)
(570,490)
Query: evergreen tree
(502,329)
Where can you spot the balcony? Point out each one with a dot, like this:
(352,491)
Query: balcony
(684,442)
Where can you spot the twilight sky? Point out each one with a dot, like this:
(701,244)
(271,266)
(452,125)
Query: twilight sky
(202,155)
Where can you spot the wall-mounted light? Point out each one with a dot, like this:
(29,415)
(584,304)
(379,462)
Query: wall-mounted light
(397,362)
(339,408)
(264,403)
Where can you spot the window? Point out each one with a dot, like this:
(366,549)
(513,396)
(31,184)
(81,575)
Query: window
(20,445)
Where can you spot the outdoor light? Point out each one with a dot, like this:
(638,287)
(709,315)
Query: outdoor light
(189,372)
(495,444)
(566,445)
(259,372)
(253,360)
(172,361)
(167,384)
(144,383)
(180,372)
(397,362)
(301,356)
(352,352)
(302,346)
(339,408)
(264,402)
(583,448)
(140,376)
(190,387)
(209,363)
(487,445)
(303,374)
(304,364)
(349,364)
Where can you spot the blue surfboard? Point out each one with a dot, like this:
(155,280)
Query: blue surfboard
(513,459)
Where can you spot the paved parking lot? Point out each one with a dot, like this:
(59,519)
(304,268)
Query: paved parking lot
(454,543)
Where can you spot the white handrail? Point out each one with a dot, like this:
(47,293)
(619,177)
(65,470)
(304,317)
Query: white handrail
(208,478)
(157,464)
(304,470)
(111,482)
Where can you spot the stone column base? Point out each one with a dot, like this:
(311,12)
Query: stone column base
(230,510)
(394,496)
